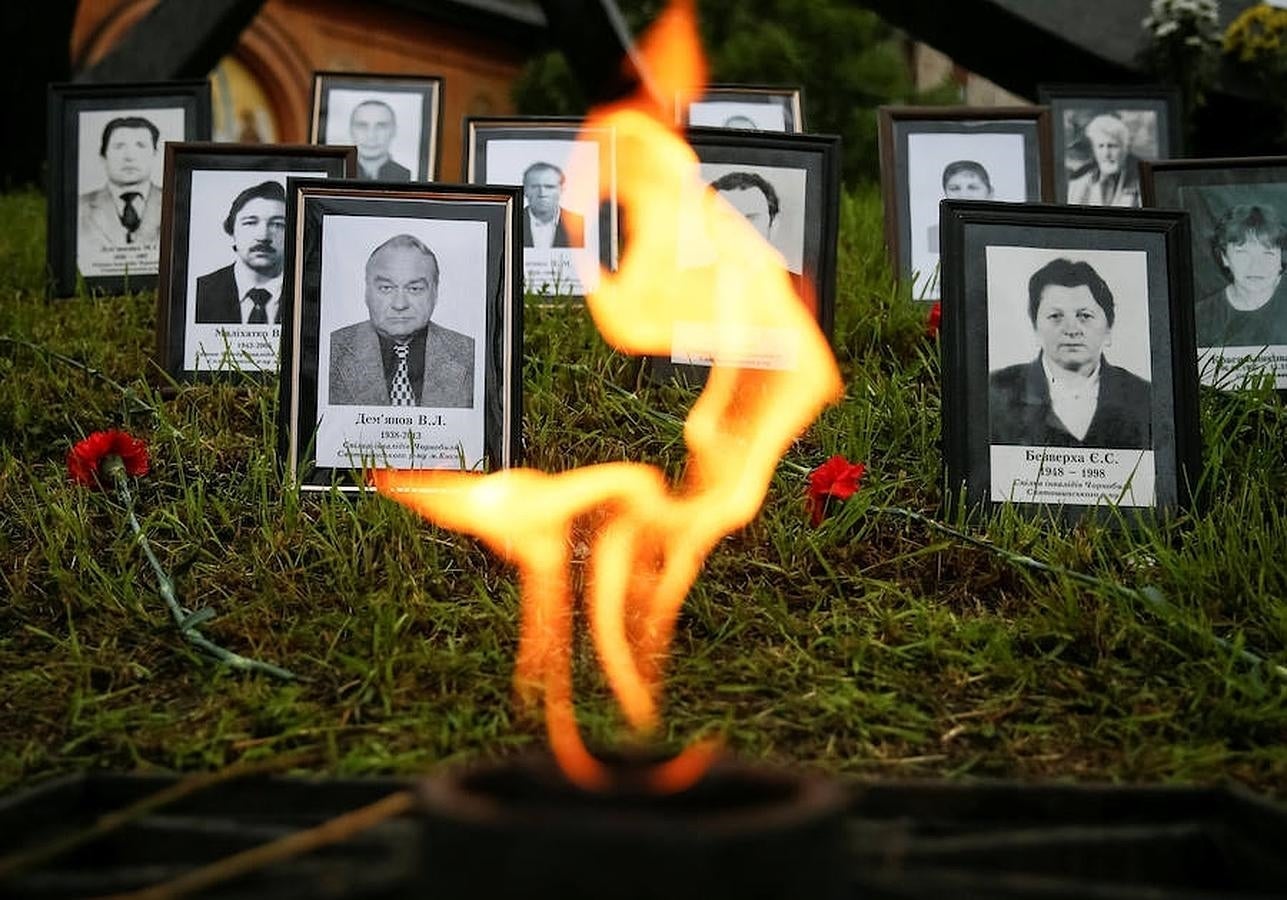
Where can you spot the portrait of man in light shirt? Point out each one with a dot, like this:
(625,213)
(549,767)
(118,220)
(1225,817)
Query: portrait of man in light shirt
(248,290)
(546,223)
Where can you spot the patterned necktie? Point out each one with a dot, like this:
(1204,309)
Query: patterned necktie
(130,217)
(259,297)
(400,390)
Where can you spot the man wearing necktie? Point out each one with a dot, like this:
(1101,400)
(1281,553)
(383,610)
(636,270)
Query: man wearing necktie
(398,357)
(126,211)
(248,291)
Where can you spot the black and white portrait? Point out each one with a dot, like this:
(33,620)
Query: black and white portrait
(118,178)
(957,165)
(1239,257)
(932,154)
(1069,363)
(385,126)
(737,114)
(403,315)
(771,199)
(561,230)
(236,245)
(1101,157)
(1103,132)
(394,121)
(745,108)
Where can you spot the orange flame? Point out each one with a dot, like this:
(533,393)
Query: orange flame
(650,538)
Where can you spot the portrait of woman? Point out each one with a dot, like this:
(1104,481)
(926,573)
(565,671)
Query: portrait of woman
(1251,309)
(1070,395)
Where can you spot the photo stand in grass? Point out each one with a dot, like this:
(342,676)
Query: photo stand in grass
(1102,132)
(219,301)
(395,121)
(1069,374)
(1238,210)
(929,153)
(106,156)
(403,348)
(788,188)
(745,107)
(569,224)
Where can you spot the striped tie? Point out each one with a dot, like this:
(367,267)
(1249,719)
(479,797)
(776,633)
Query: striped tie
(400,391)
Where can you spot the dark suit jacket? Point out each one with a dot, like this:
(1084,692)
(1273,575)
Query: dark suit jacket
(569,232)
(1020,411)
(217,299)
(389,171)
(357,370)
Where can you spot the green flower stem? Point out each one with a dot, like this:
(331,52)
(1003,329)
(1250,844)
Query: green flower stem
(185,620)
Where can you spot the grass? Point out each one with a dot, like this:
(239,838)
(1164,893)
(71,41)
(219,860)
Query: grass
(878,644)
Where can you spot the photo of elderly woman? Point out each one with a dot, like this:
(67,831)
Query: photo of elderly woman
(1250,310)
(1070,394)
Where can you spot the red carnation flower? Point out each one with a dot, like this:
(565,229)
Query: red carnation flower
(837,477)
(935,316)
(88,459)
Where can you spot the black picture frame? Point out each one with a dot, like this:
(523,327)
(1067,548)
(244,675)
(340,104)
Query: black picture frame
(997,406)
(1227,198)
(416,96)
(224,170)
(760,105)
(1153,116)
(530,140)
(803,167)
(86,232)
(334,227)
(927,151)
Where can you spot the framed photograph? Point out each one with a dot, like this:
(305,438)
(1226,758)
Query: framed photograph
(746,107)
(787,186)
(569,223)
(959,153)
(1069,382)
(1238,214)
(106,156)
(404,345)
(1103,132)
(393,120)
(223,254)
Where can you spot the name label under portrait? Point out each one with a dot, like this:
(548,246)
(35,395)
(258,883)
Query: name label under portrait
(412,437)
(1073,476)
(232,348)
(1229,367)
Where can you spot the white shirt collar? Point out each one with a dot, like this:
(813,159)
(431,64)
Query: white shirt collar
(543,234)
(247,280)
(144,191)
(1073,397)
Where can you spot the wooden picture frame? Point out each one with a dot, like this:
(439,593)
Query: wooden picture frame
(395,121)
(1102,421)
(219,210)
(1238,211)
(931,152)
(106,159)
(434,267)
(1144,122)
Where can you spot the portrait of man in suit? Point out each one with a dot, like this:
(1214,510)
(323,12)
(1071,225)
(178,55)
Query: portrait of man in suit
(546,224)
(398,356)
(248,290)
(371,128)
(126,210)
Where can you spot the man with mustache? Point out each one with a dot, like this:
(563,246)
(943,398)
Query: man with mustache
(126,211)
(248,291)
